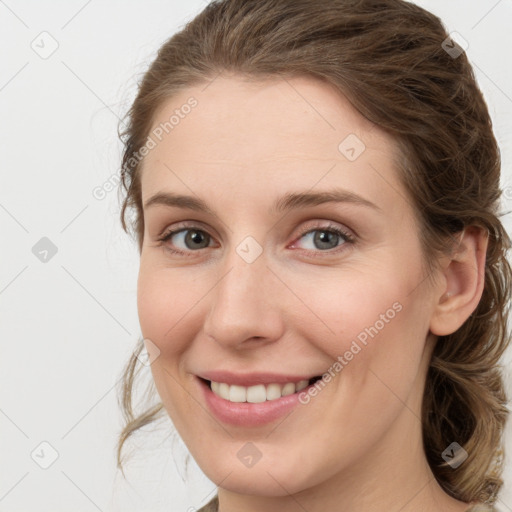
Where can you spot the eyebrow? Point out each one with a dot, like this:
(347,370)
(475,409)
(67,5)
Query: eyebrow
(290,201)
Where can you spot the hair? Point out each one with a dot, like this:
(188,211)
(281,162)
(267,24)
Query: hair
(388,58)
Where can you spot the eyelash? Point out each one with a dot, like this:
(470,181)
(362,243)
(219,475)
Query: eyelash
(346,237)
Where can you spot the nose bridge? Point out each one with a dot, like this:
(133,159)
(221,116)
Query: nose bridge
(243,303)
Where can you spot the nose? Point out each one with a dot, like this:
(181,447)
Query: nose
(246,305)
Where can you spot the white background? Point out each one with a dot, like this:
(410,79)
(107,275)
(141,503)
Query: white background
(67,326)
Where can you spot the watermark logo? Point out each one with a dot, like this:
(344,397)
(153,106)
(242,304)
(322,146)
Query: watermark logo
(455,45)
(44,250)
(158,132)
(249,249)
(156,135)
(101,191)
(454,454)
(44,455)
(45,45)
(355,348)
(249,455)
(351,147)
(150,353)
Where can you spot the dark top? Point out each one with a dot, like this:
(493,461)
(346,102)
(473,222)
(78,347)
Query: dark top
(213,506)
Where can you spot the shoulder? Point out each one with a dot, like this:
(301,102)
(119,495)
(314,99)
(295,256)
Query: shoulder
(213,506)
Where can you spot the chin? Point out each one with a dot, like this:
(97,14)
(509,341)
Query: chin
(263,479)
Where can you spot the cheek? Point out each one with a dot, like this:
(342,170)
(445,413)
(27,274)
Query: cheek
(353,306)
(376,354)
(372,328)
(167,303)
(166,300)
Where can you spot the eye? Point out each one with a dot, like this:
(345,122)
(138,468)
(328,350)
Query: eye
(321,239)
(189,238)
(325,238)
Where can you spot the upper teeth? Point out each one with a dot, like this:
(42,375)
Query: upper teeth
(257,393)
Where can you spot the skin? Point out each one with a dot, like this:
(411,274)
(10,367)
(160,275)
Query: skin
(357,444)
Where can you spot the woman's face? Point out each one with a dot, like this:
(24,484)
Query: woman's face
(304,260)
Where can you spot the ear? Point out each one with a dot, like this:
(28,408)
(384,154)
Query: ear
(463,282)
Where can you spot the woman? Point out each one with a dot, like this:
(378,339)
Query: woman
(323,286)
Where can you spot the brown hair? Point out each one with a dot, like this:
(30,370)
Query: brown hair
(390,59)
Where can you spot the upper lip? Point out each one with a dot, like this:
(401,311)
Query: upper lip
(253,378)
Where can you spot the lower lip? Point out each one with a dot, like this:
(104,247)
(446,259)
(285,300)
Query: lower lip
(247,414)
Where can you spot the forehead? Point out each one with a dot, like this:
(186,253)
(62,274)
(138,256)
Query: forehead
(277,132)
(231,110)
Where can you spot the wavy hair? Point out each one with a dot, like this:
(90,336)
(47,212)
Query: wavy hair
(397,65)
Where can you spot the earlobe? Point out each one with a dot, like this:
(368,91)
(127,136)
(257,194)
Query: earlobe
(463,282)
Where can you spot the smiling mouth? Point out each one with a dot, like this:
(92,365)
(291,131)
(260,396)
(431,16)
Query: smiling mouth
(258,393)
